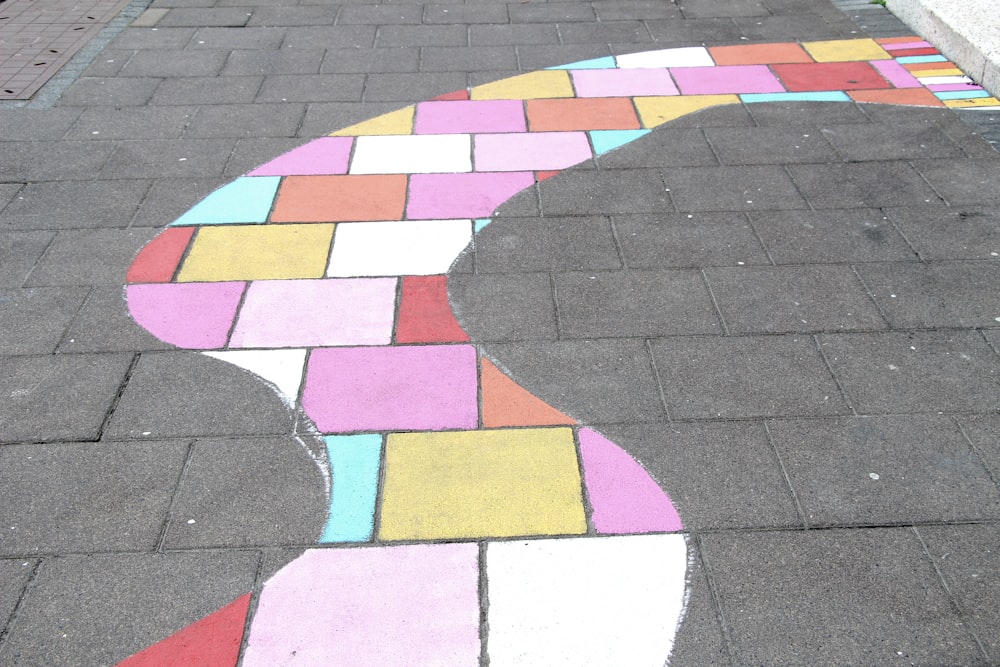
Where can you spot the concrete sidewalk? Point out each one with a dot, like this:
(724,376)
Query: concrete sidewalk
(788,312)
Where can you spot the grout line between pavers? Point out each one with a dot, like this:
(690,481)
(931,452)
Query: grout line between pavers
(715,303)
(168,515)
(713,589)
(803,516)
(829,367)
(118,395)
(12,618)
(484,607)
(951,596)
(648,344)
(870,293)
(258,586)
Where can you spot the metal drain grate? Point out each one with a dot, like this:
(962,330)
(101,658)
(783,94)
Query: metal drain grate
(38,37)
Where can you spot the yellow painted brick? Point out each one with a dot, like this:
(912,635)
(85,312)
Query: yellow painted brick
(258,252)
(543,84)
(655,111)
(843,50)
(973,103)
(478,484)
(954,71)
(394,122)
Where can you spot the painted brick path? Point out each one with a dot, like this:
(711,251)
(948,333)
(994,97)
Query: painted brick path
(767,274)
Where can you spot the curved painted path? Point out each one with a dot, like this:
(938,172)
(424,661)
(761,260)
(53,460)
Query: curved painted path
(468,520)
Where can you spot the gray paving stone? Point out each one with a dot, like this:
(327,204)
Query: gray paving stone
(806,113)
(885,373)
(379,14)
(163,63)
(247,120)
(634,303)
(884,470)
(611,10)
(690,32)
(770,145)
(251,153)
(168,198)
(581,192)
(456,13)
(834,597)
(148,38)
(940,294)
(14,576)
(619,32)
(699,640)
(331,37)
(665,147)
(832,235)
(74,204)
(794,28)
(561,12)
(311,88)
(467,59)
(244,38)
(85,497)
(325,117)
(687,240)
(966,556)
(540,56)
(53,161)
(288,504)
(180,394)
(197,17)
(786,299)
(862,184)
(106,91)
(32,321)
(504,307)
(109,62)
(744,376)
(983,432)
(516,34)
(963,182)
(247,62)
(208,90)
(422,35)
(37,124)
(103,324)
(177,158)
(110,606)
(700,9)
(7,193)
(759,187)
(58,397)
(593,381)
(283,15)
(894,142)
(132,123)
(730,115)
(720,475)
(412,87)
(556,244)
(89,257)
(380,61)
(18,253)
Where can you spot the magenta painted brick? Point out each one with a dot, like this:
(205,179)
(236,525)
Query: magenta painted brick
(196,316)
(626,500)
(895,74)
(530,151)
(726,79)
(953,87)
(326,155)
(622,82)
(410,387)
(465,116)
(903,46)
(313,313)
(476,195)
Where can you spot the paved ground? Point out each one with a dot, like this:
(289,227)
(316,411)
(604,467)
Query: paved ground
(786,311)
